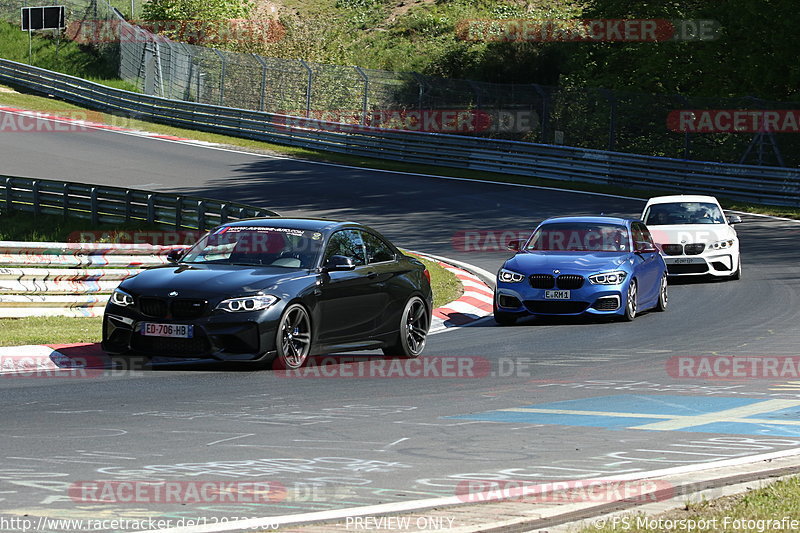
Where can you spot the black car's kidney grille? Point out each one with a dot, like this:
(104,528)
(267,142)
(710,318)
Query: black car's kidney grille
(555,307)
(180,308)
(542,281)
(672,249)
(569,281)
(188,308)
(198,345)
(694,249)
(153,307)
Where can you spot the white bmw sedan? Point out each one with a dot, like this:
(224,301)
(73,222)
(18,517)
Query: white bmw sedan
(694,235)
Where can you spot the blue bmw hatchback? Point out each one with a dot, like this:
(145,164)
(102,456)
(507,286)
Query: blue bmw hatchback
(577,265)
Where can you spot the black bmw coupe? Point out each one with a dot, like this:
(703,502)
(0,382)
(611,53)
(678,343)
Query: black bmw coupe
(274,289)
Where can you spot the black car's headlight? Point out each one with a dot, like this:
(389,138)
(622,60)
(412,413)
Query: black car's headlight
(247,303)
(609,278)
(719,245)
(509,276)
(121,298)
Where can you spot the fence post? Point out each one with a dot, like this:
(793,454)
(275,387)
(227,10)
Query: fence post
(201,215)
(9,202)
(221,77)
(308,87)
(35,189)
(612,119)
(128,196)
(262,99)
(93,203)
(178,212)
(65,201)
(545,111)
(151,208)
(365,99)
(223,214)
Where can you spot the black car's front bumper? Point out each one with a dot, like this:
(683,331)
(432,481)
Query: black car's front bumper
(220,335)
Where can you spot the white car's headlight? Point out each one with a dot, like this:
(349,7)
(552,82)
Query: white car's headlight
(509,276)
(121,298)
(608,278)
(719,245)
(247,303)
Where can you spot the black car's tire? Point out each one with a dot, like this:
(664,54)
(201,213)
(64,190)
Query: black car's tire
(663,297)
(631,302)
(293,339)
(738,274)
(414,325)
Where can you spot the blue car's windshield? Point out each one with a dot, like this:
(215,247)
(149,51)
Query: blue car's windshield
(257,245)
(579,237)
(683,213)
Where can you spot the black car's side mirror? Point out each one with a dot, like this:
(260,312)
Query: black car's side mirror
(514,245)
(175,255)
(734,219)
(338,262)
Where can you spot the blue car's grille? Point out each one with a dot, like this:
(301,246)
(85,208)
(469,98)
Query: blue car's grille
(542,281)
(569,281)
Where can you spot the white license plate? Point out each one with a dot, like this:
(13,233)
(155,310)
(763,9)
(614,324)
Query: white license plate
(556,295)
(180,331)
(686,261)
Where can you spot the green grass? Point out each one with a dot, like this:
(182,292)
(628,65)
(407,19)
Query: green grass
(49,330)
(773,502)
(65,56)
(38,103)
(24,226)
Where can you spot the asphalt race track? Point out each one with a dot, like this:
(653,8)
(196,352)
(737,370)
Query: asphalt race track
(548,400)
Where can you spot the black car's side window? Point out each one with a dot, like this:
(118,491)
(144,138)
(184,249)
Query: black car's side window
(378,251)
(347,243)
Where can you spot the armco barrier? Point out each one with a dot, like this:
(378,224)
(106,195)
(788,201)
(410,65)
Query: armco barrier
(116,204)
(768,185)
(61,288)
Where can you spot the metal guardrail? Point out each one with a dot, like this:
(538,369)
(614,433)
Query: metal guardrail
(49,284)
(768,185)
(117,204)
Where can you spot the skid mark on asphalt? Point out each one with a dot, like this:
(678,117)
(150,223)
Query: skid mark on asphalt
(739,416)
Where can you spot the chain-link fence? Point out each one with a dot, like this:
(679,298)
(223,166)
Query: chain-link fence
(587,118)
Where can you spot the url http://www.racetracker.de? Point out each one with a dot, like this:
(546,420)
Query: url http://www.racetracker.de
(42,523)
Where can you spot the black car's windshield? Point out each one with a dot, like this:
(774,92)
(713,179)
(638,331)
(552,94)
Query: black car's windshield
(257,245)
(579,237)
(683,213)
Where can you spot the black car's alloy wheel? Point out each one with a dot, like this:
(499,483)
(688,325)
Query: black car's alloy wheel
(414,325)
(294,337)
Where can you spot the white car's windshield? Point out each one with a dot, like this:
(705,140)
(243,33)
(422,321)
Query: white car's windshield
(679,213)
(256,245)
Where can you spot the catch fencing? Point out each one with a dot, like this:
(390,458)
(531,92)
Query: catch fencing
(571,116)
(767,185)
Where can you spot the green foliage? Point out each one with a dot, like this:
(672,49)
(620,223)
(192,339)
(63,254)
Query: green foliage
(206,10)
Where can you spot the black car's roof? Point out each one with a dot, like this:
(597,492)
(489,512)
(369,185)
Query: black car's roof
(312,224)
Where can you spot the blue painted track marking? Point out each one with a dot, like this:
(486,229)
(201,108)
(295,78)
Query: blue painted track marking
(715,414)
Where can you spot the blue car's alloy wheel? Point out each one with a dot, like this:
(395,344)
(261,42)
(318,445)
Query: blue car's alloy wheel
(662,295)
(632,301)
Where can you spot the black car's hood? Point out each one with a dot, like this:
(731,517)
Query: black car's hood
(209,280)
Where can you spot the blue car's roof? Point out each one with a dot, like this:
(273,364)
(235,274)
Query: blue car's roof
(591,220)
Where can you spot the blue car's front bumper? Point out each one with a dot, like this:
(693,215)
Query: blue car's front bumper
(522,299)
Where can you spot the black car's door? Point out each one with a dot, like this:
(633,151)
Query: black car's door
(349,302)
(387,274)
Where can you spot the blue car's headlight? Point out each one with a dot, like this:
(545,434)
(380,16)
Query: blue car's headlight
(509,276)
(609,278)
(247,303)
(121,298)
